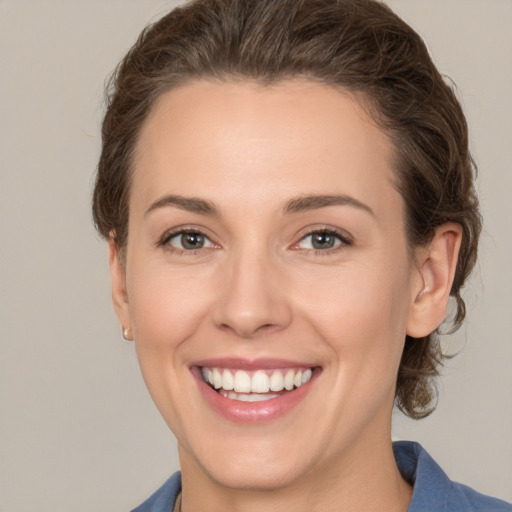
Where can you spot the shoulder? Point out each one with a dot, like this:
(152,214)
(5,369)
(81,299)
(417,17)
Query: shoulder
(163,499)
(433,490)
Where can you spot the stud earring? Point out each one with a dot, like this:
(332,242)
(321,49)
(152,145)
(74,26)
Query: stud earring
(127,334)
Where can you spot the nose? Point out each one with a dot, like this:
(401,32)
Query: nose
(252,297)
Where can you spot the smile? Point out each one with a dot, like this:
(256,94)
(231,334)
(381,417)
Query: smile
(254,392)
(254,386)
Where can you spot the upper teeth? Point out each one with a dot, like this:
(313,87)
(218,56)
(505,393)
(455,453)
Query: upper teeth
(260,381)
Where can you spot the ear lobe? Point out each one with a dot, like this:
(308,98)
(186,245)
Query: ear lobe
(436,270)
(118,282)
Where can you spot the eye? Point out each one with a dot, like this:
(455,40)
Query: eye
(188,241)
(321,240)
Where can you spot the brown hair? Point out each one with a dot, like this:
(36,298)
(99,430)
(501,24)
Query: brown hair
(358,45)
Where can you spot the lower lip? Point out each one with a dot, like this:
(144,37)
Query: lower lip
(253,412)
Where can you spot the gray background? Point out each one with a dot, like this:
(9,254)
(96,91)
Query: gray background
(78,431)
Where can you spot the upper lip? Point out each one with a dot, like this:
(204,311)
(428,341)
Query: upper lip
(236,363)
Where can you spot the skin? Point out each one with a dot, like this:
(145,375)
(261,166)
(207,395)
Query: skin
(258,290)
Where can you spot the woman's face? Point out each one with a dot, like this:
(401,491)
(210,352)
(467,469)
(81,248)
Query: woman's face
(266,249)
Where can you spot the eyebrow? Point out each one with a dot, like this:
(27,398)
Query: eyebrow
(190,204)
(299,204)
(313,202)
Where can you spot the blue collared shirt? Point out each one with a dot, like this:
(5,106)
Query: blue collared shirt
(433,490)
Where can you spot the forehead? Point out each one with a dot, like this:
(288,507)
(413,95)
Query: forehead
(292,138)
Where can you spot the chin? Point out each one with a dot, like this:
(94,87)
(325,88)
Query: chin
(252,464)
(258,475)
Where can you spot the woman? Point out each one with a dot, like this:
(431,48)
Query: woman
(287,194)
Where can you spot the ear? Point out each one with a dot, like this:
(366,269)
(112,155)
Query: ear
(119,293)
(432,283)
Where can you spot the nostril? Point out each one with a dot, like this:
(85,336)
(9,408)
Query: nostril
(247,331)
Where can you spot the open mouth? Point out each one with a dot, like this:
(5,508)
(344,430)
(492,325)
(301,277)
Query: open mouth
(255,386)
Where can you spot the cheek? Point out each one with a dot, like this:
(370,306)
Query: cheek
(361,312)
(166,306)
(364,325)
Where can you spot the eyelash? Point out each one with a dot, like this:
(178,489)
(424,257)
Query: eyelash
(164,242)
(343,239)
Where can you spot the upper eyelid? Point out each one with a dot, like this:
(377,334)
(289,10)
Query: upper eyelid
(345,241)
(342,234)
(164,240)
(345,237)
(170,233)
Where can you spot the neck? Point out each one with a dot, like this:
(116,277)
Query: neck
(366,478)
